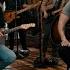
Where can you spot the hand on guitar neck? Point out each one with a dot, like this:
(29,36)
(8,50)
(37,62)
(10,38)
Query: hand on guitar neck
(10,15)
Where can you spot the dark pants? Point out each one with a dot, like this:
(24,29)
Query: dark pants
(22,33)
(47,31)
(64,53)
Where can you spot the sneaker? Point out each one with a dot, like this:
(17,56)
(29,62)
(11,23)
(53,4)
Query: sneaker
(25,53)
(18,55)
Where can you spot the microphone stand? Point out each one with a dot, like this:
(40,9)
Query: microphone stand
(40,62)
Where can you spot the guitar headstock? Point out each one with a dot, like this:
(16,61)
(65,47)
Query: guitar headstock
(31,24)
(26,26)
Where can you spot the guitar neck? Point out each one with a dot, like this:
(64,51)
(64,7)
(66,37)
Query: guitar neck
(11,30)
(23,10)
(28,8)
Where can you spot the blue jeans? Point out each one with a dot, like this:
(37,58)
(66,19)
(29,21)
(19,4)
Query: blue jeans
(6,56)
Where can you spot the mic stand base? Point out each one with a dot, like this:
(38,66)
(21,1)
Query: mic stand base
(43,63)
(39,63)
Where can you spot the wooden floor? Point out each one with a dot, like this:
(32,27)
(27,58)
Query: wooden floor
(27,63)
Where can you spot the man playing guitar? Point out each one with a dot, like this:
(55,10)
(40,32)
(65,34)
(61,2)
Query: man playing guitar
(6,55)
(22,18)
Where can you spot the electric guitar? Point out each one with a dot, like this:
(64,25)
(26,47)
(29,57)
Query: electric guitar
(23,26)
(5,32)
(10,15)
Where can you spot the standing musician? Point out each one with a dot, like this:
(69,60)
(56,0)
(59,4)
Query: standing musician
(22,18)
(6,55)
(65,44)
(50,16)
(46,8)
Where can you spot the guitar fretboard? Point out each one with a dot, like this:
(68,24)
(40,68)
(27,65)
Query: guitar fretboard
(11,30)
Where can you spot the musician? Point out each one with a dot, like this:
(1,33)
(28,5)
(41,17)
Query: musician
(65,44)
(6,55)
(47,9)
(22,18)
(50,17)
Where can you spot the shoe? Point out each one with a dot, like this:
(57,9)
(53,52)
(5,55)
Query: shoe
(45,62)
(8,68)
(39,63)
(25,53)
(18,55)
(53,61)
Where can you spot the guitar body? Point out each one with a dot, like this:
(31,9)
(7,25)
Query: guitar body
(9,16)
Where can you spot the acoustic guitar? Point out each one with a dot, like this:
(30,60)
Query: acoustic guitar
(10,15)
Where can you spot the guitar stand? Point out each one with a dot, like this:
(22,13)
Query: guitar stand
(40,62)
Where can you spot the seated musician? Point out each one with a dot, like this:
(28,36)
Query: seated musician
(21,18)
(65,44)
(6,55)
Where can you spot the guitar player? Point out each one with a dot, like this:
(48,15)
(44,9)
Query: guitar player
(6,55)
(22,18)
